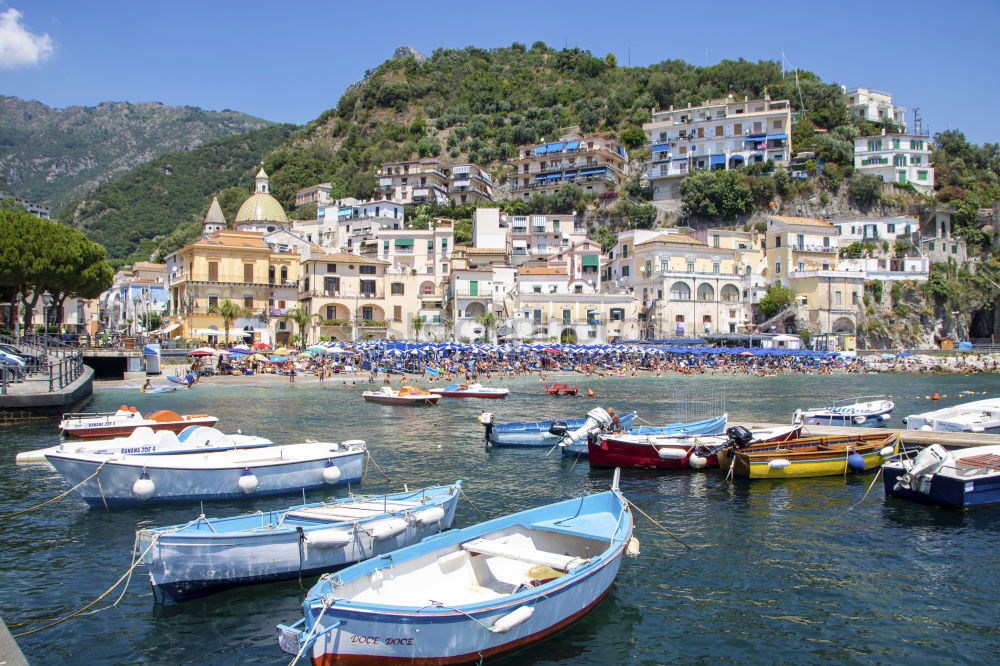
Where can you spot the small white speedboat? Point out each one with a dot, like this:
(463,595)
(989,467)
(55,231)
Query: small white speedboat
(121,480)
(471,391)
(146,441)
(405,395)
(869,410)
(976,416)
(126,419)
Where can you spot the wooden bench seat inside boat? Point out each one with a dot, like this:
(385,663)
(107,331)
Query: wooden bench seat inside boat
(349,512)
(502,547)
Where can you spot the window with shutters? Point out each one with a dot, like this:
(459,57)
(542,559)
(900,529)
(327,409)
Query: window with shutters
(248,272)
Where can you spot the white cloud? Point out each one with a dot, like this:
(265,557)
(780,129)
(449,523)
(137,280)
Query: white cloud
(18,46)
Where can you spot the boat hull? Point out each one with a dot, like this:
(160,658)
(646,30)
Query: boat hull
(464,394)
(712,426)
(113,485)
(536,433)
(185,566)
(805,462)
(944,490)
(847,420)
(405,401)
(116,430)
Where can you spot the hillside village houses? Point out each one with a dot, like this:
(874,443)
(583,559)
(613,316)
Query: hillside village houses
(874,105)
(593,163)
(896,158)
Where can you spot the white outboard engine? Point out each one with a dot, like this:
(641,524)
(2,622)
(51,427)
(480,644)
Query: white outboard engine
(598,420)
(924,466)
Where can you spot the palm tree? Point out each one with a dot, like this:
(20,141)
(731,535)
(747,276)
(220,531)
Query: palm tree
(229,312)
(300,315)
(488,321)
(418,323)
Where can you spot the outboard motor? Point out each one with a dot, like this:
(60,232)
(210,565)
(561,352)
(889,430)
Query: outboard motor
(598,420)
(924,466)
(486,420)
(739,437)
(559,429)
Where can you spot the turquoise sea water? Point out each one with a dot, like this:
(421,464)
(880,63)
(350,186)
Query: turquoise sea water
(778,571)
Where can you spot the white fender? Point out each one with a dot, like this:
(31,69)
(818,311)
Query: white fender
(386,528)
(354,443)
(671,453)
(885,417)
(779,463)
(331,474)
(859,419)
(512,619)
(143,488)
(632,547)
(428,516)
(697,462)
(977,429)
(926,427)
(248,483)
(886,451)
(328,538)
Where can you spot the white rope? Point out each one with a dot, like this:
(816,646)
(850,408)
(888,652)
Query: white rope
(309,636)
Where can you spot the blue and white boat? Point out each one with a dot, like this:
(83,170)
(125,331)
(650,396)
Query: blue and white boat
(210,554)
(871,410)
(574,443)
(534,433)
(959,479)
(122,480)
(146,441)
(466,594)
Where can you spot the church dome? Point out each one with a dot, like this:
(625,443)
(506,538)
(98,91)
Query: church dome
(261,207)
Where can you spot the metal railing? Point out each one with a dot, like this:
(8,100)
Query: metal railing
(54,363)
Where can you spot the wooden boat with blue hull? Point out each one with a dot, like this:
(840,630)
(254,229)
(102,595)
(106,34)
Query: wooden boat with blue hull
(811,456)
(123,480)
(872,410)
(466,594)
(533,433)
(210,554)
(577,445)
(959,479)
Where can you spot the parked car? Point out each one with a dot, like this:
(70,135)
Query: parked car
(11,350)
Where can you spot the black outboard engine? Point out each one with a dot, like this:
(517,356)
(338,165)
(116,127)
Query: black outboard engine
(559,429)
(739,437)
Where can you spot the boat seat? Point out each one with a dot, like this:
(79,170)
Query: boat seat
(502,548)
(356,511)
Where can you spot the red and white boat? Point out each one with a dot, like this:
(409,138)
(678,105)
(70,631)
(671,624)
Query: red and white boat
(127,419)
(405,395)
(562,388)
(471,391)
(672,452)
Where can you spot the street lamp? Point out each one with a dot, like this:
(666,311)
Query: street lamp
(46,303)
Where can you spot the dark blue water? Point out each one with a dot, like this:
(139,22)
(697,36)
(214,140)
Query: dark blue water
(778,572)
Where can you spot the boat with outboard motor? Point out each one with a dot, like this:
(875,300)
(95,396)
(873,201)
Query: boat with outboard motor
(127,419)
(468,594)
(676,451)
(960,479)
(867,410)
(833,455)
(575,442)
(533,433)
(404,395)
(122,480)
(474,390)
(146,441)
(210,554)
(975,416)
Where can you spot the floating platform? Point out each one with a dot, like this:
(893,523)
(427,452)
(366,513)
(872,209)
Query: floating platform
(918,438)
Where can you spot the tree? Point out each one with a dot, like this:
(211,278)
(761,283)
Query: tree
(488,321)
(865,189)
(777,298)
(607,238)
(633,138)
(12,204)
(418,323)
(306,211)
(300,316)
(229,312)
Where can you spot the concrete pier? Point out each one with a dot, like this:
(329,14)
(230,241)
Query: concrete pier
(31,400)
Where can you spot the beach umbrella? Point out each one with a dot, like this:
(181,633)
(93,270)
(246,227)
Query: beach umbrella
(281,350)
(262,345)
(199,353)
(317,349)
(278,359)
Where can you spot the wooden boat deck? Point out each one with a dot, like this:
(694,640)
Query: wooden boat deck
(920,438)
(350,512)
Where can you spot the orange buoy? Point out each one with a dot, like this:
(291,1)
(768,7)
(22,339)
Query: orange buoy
(590,393)
(935,397)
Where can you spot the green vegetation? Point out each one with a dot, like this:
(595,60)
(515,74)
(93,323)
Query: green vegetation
(147,207)
(777,298)
(229,312)
(39,256)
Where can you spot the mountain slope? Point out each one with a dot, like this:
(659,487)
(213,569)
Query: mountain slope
(53,155)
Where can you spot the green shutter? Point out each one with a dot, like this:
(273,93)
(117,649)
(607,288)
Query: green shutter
(404,242)
(473,287)
(591,260)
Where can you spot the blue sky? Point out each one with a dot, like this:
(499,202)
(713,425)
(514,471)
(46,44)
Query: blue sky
(289,61)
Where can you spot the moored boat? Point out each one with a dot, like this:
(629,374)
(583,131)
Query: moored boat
(126,419)
(861,411)
(122,480)
(470,593)
(534,433)
(811,456)
(210,554)
(959,479)
(146,441)
(577,444)
(975,416)
(405,395)
(474,390)
(562,388)
(672,451)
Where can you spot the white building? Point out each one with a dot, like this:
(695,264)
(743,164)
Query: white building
(874,105)
(469,183)
(595,164)
(896,158)
(888,268)
(721,134)
(875,229)
(318,194)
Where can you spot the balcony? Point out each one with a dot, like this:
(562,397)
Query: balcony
(814,247)
(378,294)
(558,182)
(220,279)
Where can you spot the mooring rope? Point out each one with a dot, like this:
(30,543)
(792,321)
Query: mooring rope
(57,497)
(481,514)
(655,522)
(377,466)
(305,643)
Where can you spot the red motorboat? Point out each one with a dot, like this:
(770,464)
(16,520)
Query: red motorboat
(668,452)
(562,388)
(127,419)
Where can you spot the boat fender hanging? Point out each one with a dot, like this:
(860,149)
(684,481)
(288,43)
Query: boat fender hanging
(428,516)
(143,488)
(512,619)
(248,482)
(386,529)
(886,451)
(859,419)
(697,462)
(671,453)
(885,417)
(856,462)
(632,548)
(328,538)
(779,463)
(331,473)
(353,443)
(926,427)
